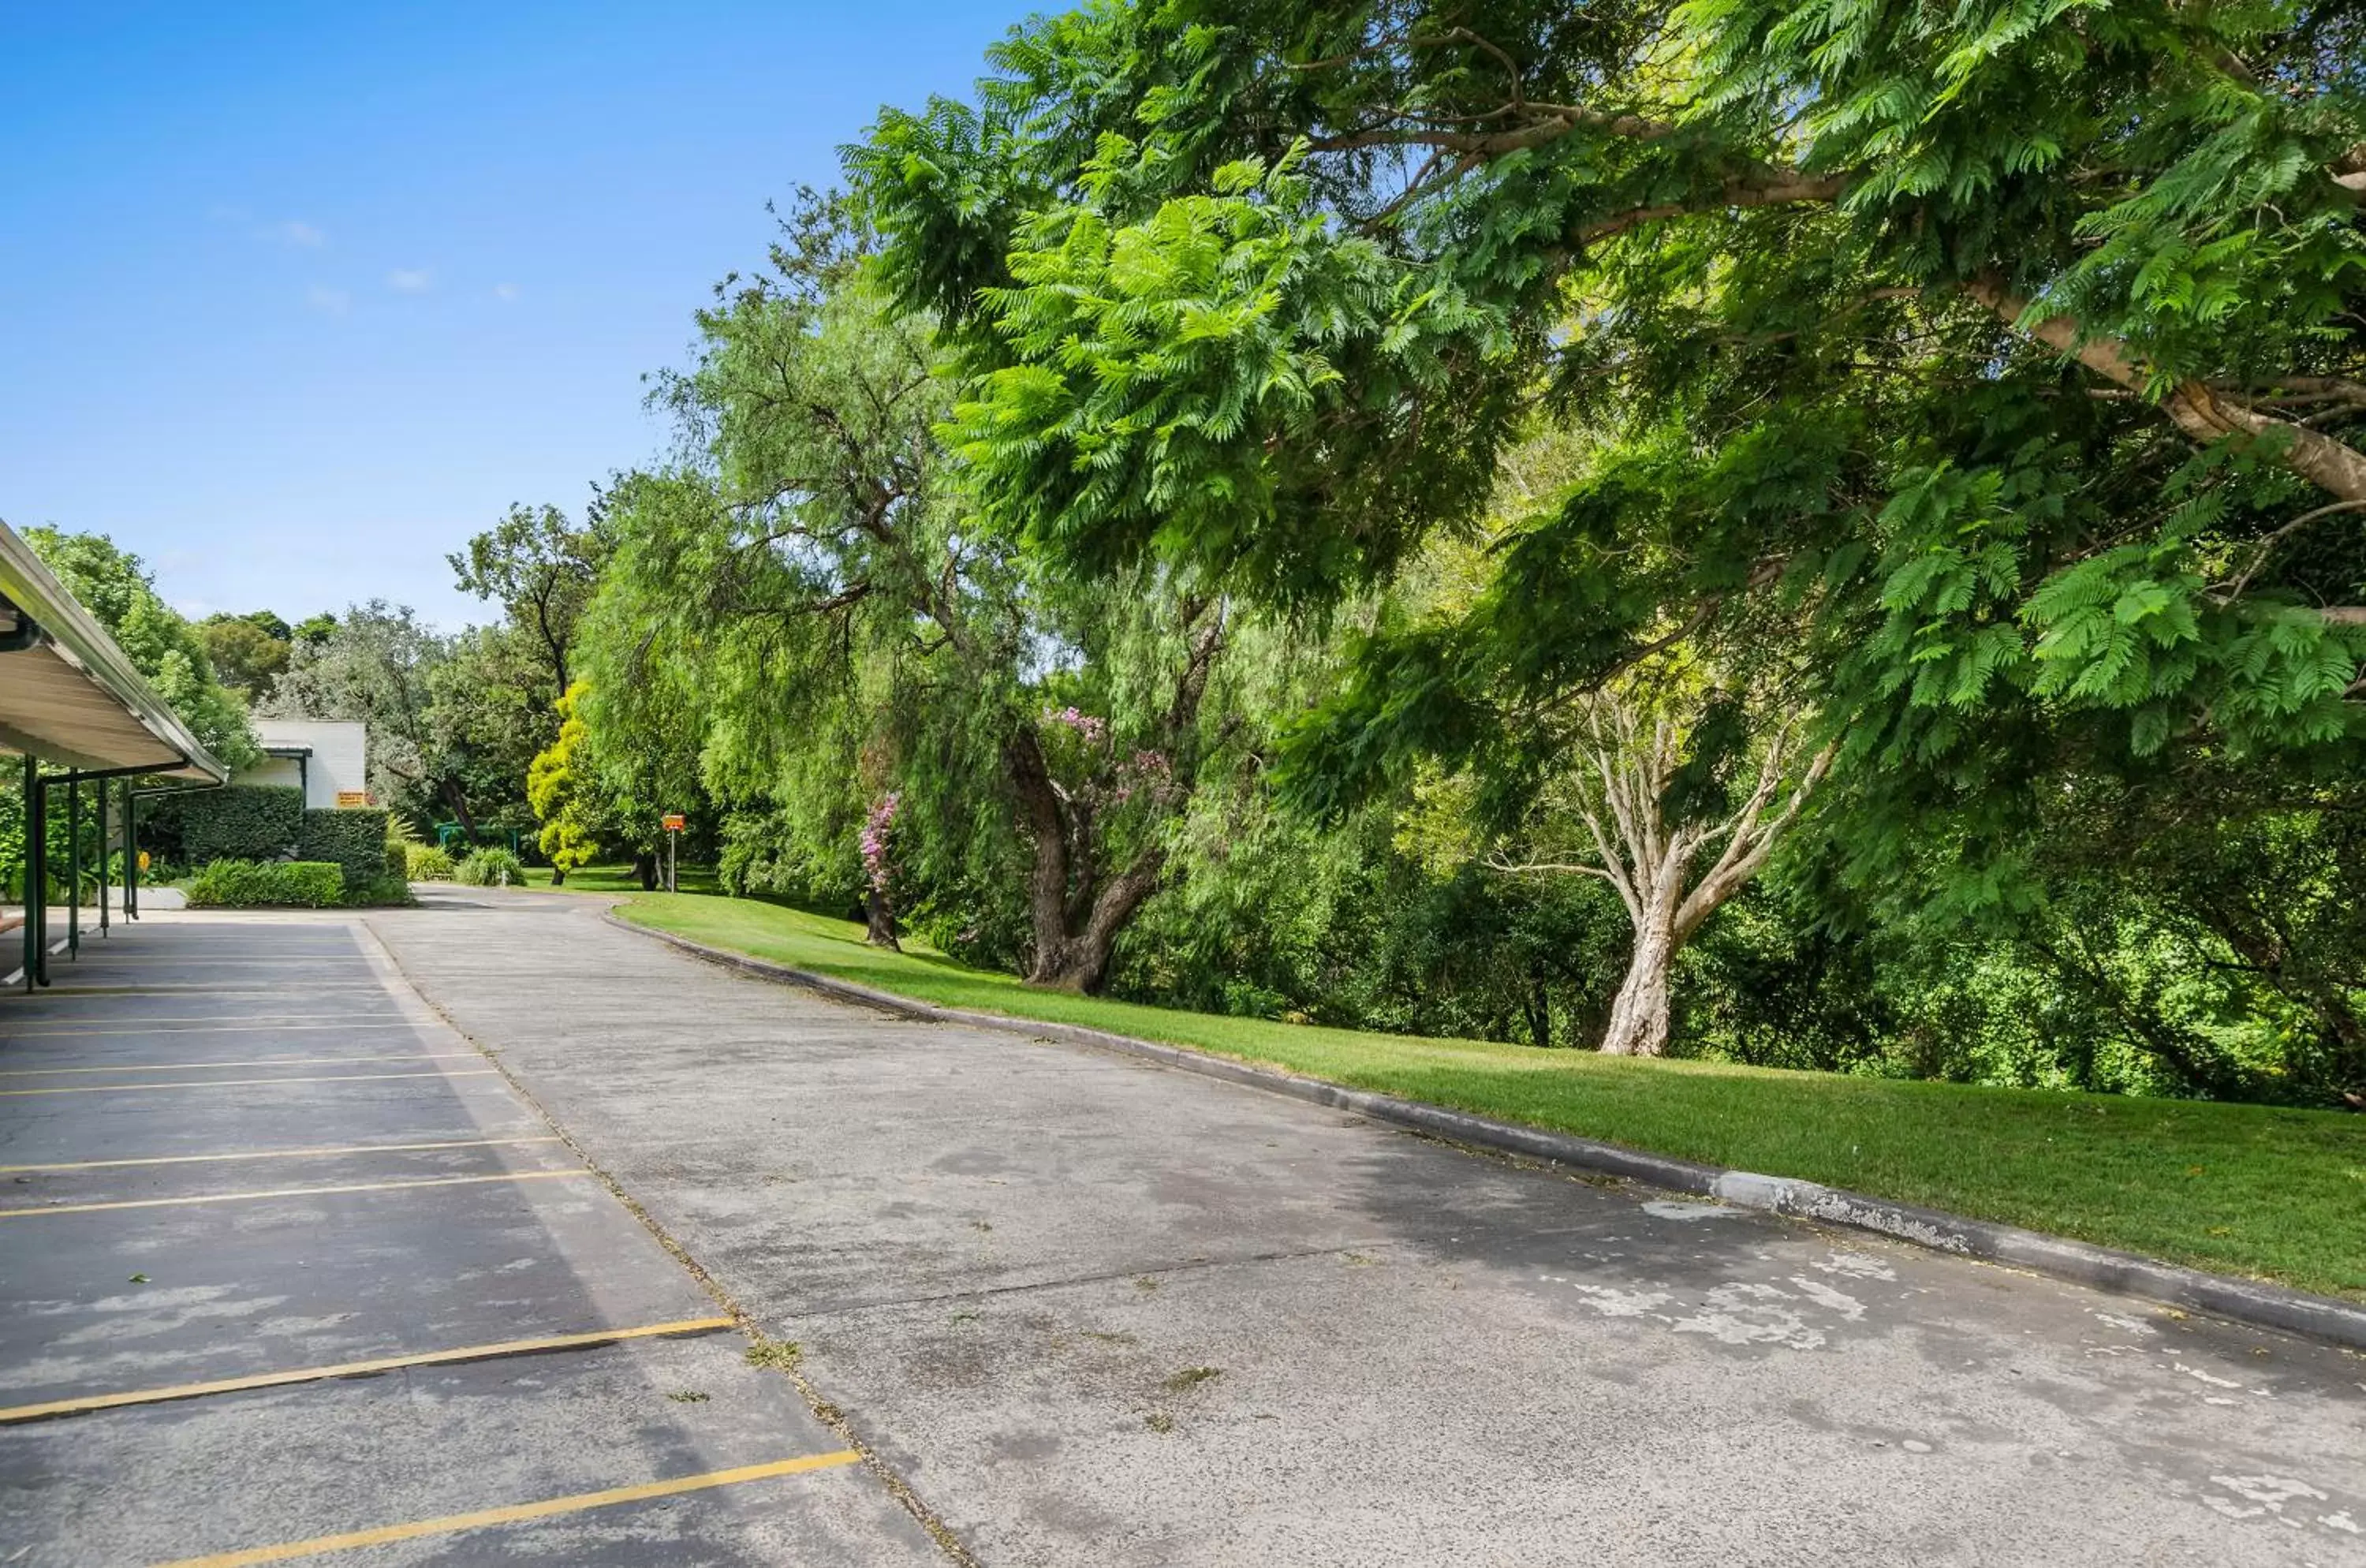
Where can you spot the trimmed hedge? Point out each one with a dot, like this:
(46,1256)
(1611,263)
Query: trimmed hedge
(354,837)
(378,893)
(280,884)
(239,822)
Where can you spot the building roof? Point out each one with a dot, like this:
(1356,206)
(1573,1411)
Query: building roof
(67,693)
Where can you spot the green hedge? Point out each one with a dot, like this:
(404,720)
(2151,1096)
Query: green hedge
(242,822)
(351,837)
(247,884)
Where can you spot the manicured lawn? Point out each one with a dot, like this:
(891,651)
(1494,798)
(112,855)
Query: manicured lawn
(2243,1189)
(618,879)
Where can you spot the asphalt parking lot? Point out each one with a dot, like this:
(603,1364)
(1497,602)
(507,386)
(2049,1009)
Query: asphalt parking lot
(287,1269)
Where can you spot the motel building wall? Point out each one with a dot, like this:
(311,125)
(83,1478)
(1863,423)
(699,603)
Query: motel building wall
(328,759)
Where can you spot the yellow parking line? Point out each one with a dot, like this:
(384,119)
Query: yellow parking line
(252,1062)
(217,1026)
(240,1083)
(63,993)
(279,1153)
(518,1514)
(356,1369)
(288,1192)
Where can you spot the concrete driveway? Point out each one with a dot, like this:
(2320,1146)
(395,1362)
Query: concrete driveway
(1091,1311)
(287,1271)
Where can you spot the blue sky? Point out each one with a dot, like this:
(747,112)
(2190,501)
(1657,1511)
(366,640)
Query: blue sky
(295,299)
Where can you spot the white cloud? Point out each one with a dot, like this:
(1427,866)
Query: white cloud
(506,291)
(405,281)
(296,231)
(328,301)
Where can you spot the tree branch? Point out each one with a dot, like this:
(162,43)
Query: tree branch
(1767,187)
(2204,416)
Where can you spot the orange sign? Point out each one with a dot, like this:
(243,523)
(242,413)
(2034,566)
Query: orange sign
(353,797)
(674,822)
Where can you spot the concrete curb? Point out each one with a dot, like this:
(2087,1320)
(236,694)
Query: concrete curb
(2100,1268)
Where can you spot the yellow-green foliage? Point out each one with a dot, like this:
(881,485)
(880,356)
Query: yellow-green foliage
(553,788)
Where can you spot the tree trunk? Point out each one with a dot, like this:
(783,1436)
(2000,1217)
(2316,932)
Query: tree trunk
(1639,1017)
(879,920)
(645,867)
(459,801)
(1078,961)
(558,874)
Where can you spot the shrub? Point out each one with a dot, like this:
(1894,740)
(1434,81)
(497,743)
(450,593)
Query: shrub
(400,841)
(377,890)
(239,822)
(491,868)
(352,838)
(426,862)
(248,884)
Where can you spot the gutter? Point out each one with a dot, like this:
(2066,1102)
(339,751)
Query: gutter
(47,613)
(2098,1268)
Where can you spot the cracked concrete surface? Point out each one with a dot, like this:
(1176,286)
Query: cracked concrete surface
(1096,1313)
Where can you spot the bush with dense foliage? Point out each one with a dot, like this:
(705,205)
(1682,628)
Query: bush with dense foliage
(427,863)
(377,891)
(491,868)
(351,837)
(250,884)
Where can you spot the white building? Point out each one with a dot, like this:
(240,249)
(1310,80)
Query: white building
(328,759)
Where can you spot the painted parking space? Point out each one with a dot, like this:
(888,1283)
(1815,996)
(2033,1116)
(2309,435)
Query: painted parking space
(289,1271)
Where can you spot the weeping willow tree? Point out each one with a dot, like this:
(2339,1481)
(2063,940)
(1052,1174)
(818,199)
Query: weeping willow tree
(812,586)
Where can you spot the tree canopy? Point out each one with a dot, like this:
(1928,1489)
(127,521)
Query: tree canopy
(2018,348)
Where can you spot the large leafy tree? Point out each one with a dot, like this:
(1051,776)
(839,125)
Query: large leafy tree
(117,588)
(249,651)
(841,626)
(541,570)
(377,665)
(2015,351)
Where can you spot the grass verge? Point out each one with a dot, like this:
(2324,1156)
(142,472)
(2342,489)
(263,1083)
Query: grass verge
(2249,1190)
(617,879)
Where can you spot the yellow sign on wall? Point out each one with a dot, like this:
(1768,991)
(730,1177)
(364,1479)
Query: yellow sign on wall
(353,797)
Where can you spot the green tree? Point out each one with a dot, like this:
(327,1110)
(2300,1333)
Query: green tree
(2017,354)
(377,667)
(116,587)
(562,786)
(541,570)
(249,651)
(815,599)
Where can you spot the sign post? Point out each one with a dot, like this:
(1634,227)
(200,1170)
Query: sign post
(674,824)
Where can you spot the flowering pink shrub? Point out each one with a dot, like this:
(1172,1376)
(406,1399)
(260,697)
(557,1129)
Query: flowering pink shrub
(1090,730)
(875,841)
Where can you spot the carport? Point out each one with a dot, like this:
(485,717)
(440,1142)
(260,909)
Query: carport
(75,710)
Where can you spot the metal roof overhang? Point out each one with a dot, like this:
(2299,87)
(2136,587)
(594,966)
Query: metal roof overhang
(67,693)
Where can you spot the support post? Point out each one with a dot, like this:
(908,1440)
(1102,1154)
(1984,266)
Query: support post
(37,877)
(130,854)
(32,889)
(102,857)
(73,866)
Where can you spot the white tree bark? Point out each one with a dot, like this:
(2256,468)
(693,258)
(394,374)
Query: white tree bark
(1628,759)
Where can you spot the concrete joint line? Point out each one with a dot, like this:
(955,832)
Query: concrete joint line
(412,1001)
(2081,1263)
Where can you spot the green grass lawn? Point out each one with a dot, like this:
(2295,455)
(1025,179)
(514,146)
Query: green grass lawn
(2245,1190)
(618,879)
